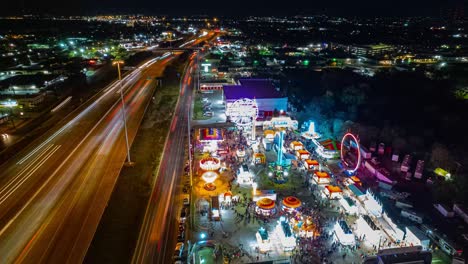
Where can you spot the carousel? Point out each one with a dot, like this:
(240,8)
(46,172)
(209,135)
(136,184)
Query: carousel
(209,177)
(291,204)
(265,207)
(210,164)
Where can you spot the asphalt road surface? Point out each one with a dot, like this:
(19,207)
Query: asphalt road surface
(158,235)
(53,193)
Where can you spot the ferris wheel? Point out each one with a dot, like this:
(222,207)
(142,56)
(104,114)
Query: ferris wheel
(243,112)
(350,153)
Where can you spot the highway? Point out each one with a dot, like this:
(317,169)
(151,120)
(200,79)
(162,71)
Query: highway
(158,235)
(53,193)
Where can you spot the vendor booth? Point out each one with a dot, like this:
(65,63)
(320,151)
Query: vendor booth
(259,158)
(321,177)
(311,164)
(303,154)
(332,192)
(296,145)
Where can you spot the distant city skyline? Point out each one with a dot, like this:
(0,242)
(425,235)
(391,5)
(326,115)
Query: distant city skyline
(434,8)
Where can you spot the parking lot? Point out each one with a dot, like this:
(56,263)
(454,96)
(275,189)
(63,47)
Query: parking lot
(208,108)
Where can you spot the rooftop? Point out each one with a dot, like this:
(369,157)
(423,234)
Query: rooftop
(252,88)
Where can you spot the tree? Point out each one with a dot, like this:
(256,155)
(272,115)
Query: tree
(440,156)
(352,96)
(338,127)
(399,144)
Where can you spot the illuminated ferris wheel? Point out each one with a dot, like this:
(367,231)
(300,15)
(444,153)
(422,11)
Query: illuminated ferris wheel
(243,112)
(350,153)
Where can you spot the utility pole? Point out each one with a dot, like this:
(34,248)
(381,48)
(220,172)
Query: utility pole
(118,62)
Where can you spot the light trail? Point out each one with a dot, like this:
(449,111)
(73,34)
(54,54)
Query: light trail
(29,174)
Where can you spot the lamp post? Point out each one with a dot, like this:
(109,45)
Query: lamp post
(118,62)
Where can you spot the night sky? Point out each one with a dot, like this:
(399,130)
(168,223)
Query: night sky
(231,7)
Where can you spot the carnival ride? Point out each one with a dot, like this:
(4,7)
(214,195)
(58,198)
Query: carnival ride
(244,113)
(350,153)
(279,170)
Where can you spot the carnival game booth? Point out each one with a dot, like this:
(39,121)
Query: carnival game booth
(344,234)
(321,177)
(303,154)
(311,164)
(296,145)
(265,207)
(332,192)
(259,158)
(291,204)
(349,205)
(209,138)
(284,232)
(263,240)
(328,149)
(368,231)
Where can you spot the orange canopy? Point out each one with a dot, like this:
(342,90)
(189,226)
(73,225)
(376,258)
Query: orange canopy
(266,203)
(333,189)
(303,152)
(292,202)
(312,162)
(322,174)
(355,179)
(296,143)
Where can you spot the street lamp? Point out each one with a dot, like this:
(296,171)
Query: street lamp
(118,62)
